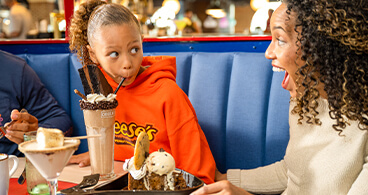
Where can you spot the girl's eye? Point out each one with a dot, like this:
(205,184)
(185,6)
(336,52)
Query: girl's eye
(114,54)
(134,50)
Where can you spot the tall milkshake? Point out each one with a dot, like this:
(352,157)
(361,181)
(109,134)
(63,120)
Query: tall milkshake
(99,118)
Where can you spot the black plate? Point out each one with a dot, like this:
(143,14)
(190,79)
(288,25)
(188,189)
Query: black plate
(117,185)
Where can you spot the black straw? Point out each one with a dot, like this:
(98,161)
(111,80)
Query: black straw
(121,82)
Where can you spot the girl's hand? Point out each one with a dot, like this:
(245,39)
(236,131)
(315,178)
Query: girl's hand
(221,187)
(82,160)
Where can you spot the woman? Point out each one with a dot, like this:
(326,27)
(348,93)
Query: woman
(322,46)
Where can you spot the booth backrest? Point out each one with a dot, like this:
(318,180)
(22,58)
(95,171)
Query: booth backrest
(239,101)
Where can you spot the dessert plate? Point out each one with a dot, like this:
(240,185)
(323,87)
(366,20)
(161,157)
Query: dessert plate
(118,186)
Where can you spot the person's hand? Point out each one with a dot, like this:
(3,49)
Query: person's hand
(82,160)
(24,122)
(219,176)
(221,187)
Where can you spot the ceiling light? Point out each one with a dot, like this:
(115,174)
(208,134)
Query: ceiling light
(172,5)
(256,4)
(215,10)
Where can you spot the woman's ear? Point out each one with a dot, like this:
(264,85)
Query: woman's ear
(92,54)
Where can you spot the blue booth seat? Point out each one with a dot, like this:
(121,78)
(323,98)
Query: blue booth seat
(239,101)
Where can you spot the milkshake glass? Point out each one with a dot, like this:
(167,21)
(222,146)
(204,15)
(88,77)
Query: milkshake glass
(99,118)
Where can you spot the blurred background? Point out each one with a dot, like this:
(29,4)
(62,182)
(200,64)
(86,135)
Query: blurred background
(159,18)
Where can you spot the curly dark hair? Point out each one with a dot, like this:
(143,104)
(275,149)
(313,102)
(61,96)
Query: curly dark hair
(333,40)
(89,18)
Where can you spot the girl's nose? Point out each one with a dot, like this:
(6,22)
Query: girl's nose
(127,64)
(269,54)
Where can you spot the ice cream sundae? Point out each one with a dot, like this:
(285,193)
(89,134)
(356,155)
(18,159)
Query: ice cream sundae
(155,171)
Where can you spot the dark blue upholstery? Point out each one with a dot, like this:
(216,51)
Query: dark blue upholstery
(239,101)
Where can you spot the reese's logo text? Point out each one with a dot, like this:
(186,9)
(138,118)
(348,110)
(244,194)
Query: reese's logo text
(128,133)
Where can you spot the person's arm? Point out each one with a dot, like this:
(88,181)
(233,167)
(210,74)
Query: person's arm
(41,108)
(221,187)
(192,153)
(196,27)
(188,143)
(24,122)
(360,184)
(220,176)
(12,35)
(2,35)
(40,103)
(15,27)
(267,179)
(82,159)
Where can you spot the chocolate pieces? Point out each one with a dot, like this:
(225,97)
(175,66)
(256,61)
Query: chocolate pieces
(94,81)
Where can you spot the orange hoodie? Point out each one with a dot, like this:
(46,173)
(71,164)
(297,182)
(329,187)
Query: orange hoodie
(155,103)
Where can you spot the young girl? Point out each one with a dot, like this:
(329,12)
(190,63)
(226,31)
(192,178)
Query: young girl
(150,100)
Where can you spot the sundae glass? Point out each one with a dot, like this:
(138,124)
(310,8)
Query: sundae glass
(49,161)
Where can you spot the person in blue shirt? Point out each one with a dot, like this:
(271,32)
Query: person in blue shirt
(20,88)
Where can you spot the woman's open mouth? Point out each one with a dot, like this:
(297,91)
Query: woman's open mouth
(285,82)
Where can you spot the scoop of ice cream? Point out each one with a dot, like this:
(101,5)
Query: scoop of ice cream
(136,174)
(160,162)
(49,138)
(94,98)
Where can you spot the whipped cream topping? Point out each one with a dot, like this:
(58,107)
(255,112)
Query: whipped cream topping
(95,98)
(136,174)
